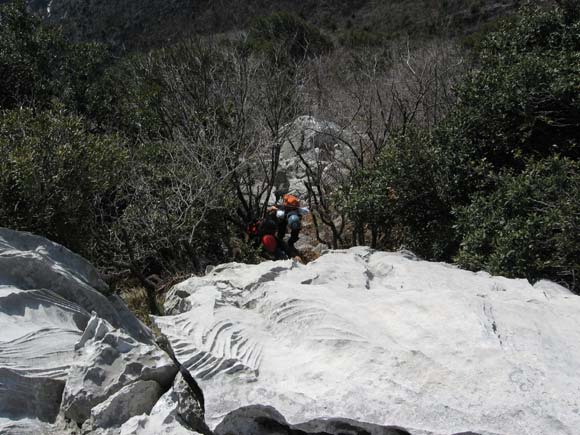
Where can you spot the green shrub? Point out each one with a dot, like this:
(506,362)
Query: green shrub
(126,98)
(288,32)
(528,226)
(474,41)
(25,56)
(521,103)
(38,67)
(57,179)
(399,199)
(525,99)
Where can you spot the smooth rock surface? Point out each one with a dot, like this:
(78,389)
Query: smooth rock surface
(385,339)
(39,325)
(29,262)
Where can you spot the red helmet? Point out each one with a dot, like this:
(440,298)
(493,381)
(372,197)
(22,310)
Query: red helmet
(269,242)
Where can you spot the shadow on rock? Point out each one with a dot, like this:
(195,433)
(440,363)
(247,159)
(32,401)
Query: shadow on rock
(265,420)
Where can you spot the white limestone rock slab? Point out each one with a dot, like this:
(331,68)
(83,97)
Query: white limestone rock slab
(57,263)
(385,339)
(105,361)
(39,330)
(39,327)
(232,280)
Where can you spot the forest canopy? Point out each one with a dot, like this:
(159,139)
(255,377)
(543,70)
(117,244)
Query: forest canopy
(156,160)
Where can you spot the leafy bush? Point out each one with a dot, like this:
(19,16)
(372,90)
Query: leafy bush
(125,98)
(399,201)
(528,226)
(39,67)
(25,48)
(288,32)
(524,100)
(57,179)
(474,41)
(468,190)
(522,105)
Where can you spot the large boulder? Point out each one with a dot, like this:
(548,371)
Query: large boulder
(310,143)
(51,345)
(382,338)
(109,362)
(30,263)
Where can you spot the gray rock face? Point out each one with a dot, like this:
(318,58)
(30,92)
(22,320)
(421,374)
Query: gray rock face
(105,361)
(176,413)
(29,263)
(49,341)
(189,409)
(321,144)
(134,399)
(22,396)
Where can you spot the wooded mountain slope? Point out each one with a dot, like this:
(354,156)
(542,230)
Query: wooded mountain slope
(148,23)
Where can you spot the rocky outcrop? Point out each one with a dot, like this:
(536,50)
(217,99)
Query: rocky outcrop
(176,413)
(382,338)
(67,348)
(136,398)
(109,362)
(31,263)
(356,342)
(312,144)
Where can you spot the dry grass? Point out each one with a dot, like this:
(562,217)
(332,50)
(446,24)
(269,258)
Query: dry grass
(135,295)
(309,255)
(136,299)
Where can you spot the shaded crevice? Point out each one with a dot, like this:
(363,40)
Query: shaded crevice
(491,323)
(165,345)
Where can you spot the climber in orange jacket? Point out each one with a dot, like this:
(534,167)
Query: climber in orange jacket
(288,215)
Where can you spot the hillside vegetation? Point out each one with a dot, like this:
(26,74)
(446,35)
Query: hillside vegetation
(155,23)
(155,161)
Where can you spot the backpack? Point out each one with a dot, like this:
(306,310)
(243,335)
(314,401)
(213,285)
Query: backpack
(291,202)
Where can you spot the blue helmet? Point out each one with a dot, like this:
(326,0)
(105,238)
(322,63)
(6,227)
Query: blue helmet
(294,221)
